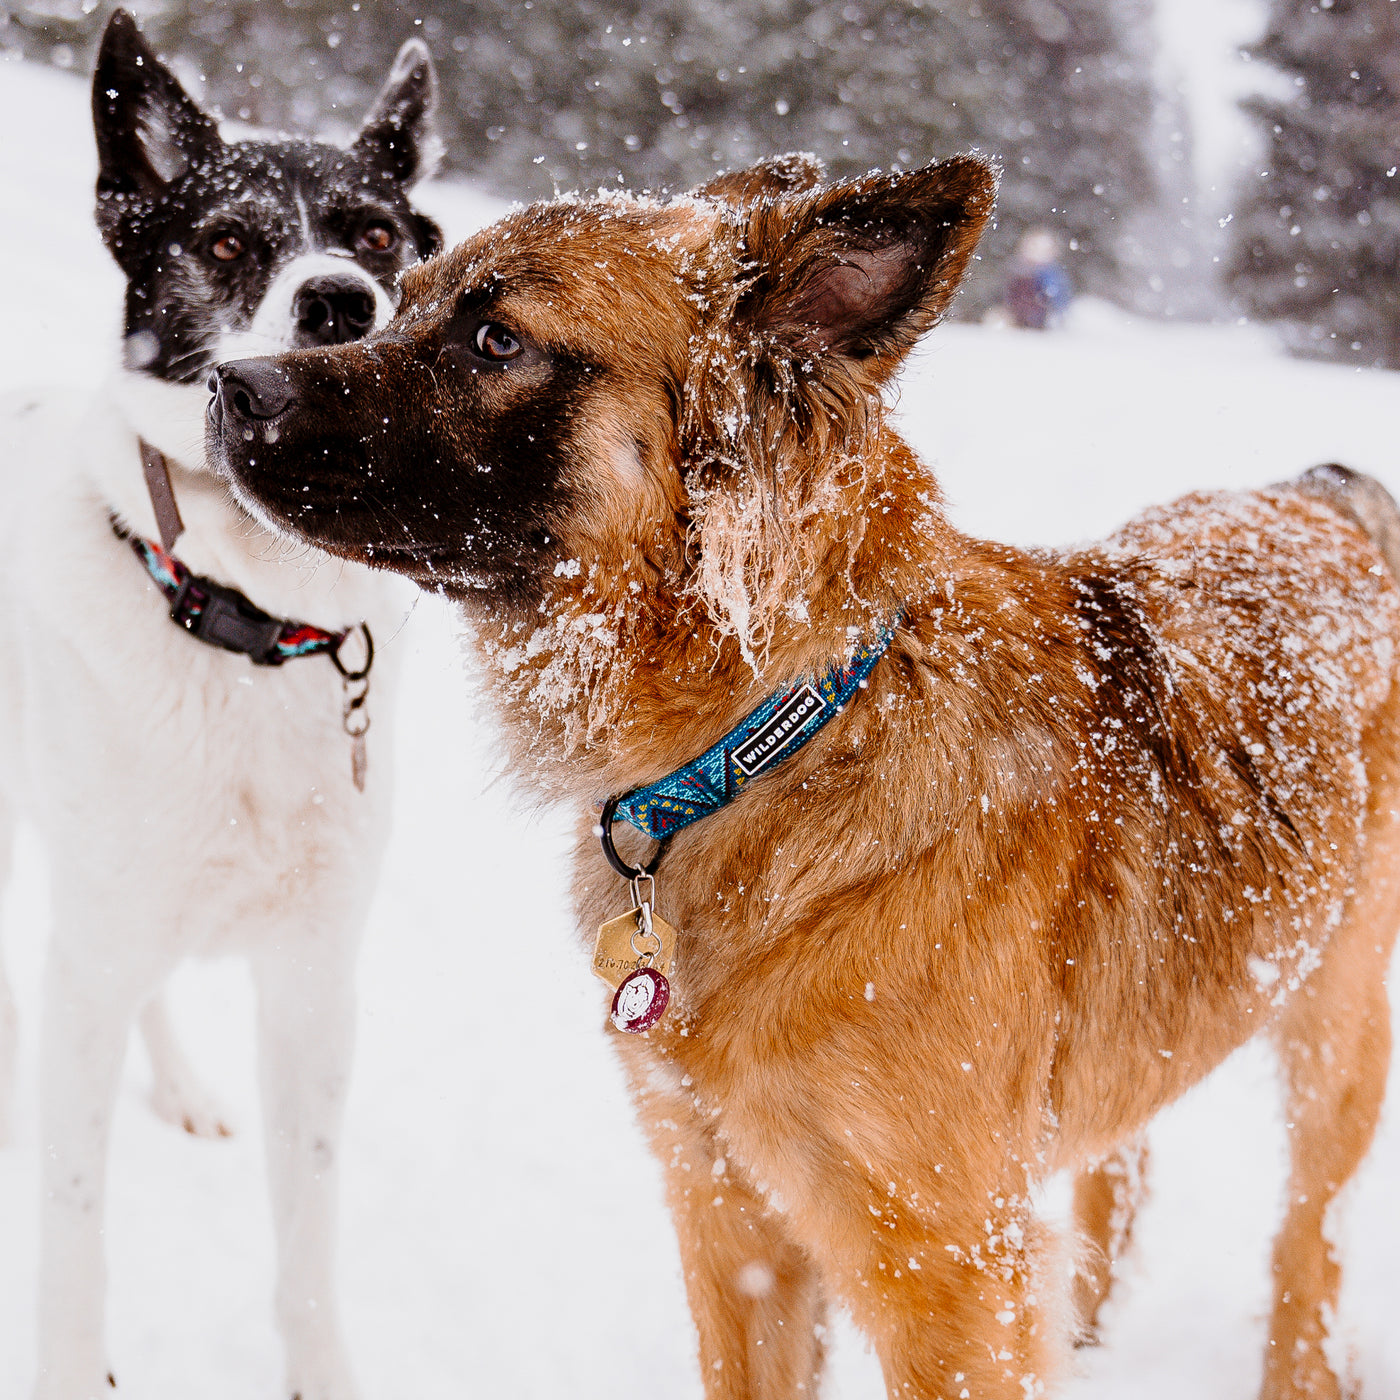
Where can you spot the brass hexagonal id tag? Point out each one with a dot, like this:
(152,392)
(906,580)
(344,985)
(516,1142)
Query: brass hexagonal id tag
(623,945)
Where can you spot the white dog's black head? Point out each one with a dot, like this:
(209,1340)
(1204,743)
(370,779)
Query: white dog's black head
(250,247)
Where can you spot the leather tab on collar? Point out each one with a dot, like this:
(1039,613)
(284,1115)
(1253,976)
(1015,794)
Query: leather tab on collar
(162,494)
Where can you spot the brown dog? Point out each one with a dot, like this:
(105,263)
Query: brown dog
(1098,817)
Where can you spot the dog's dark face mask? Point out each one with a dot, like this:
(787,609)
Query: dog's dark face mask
(202,227)
(550,390)
(447,447)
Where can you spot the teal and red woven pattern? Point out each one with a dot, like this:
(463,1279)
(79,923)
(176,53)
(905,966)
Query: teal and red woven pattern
(302,639)
(175,580)
(773,732)
(166,570)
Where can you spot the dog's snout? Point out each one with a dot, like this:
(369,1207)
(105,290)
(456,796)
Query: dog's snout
(331,310)
(251,389)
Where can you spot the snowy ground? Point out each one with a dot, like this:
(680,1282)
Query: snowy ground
(492,1171)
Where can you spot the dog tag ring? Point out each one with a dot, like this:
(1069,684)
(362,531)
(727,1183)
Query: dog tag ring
(354,716)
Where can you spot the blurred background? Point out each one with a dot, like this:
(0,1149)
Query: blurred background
(1205,160)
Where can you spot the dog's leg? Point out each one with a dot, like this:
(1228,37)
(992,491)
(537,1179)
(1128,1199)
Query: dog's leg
(1106,1200)
(754,1293)
(1335,1048)
(1334,1042)
(176,1092)
(948,1314)
(953,1308)
(306,1031)
(87,1015)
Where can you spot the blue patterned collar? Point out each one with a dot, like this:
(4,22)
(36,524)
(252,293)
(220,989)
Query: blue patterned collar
(768,735)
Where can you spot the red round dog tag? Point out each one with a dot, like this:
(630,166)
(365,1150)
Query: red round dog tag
(640,1001)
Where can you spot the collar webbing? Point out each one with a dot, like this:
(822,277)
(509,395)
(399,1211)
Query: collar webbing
(224,617)
(156,470)
(771,733)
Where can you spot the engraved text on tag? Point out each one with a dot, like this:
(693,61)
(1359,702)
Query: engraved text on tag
(621,943)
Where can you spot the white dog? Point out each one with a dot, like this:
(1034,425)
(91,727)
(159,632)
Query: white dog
(194,798)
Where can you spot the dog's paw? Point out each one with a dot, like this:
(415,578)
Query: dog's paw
(185,1103)
(177,1093)
(56,1383)
(340,1387)
(318,1367)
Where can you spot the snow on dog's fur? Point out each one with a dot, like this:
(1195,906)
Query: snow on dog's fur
(191,802)
(1101,815)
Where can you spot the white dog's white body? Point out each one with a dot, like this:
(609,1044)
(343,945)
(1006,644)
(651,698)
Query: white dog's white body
(191,803)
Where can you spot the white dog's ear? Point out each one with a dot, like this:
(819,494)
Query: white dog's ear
(149,131)
(863,267)
(398,135)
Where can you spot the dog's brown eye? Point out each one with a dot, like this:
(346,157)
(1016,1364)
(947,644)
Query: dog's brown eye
(377,238)
(495,342)
(227,246)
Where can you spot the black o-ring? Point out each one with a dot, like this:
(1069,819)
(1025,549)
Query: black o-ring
(628,872)
(369,653)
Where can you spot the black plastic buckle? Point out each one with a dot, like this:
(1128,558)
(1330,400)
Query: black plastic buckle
(224,617)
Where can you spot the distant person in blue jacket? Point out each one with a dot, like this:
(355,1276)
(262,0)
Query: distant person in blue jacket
(1037,288)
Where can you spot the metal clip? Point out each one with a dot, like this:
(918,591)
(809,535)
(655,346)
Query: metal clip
(354,682)
(354,685)
(644,929)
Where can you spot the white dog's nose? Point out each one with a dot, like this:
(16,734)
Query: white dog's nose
(331,309)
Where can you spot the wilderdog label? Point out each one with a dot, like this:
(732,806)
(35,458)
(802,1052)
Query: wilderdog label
(757,752)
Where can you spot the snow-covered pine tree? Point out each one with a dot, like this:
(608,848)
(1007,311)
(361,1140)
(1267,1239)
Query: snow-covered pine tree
(546,94)
(1317,231)
(1064,96)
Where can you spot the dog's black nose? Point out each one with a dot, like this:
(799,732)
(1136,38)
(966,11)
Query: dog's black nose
(251,389)
(331,310)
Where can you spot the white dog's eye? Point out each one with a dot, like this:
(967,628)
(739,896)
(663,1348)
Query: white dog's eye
(495,342)
(227,247)
(377,237)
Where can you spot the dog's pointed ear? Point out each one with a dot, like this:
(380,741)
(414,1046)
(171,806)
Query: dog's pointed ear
(398,135)
(864,267)
(786,174)
(149,131)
